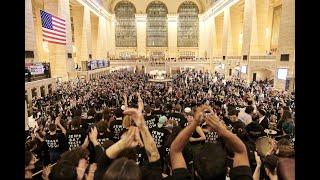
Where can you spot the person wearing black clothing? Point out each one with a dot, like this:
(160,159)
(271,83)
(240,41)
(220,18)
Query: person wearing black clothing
(116,125)
(151,120)
(263,120)
(211,162)
(76,135)
(57,142)
(232,121)
(177,116)
(158,111)
(160,135)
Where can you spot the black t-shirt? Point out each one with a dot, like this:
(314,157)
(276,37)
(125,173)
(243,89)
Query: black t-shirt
(42,152)
(158,113)
(116,128)
(236,173)
(151,171)
(87,123)
(211,137)
(103,162)
(105,136)
(151,121)
(75,138)
(179,118)
(160,136)
(57,142)
(195,134)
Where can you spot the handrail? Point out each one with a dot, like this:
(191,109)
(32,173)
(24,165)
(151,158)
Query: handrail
(42,170)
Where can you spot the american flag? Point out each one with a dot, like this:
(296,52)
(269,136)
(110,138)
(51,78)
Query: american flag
(53,28)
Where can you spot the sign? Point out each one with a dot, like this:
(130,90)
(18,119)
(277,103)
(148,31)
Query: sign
(244,69)
(36,69)
(282,74)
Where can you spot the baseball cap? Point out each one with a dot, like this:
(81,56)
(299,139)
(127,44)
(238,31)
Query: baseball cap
(161,121)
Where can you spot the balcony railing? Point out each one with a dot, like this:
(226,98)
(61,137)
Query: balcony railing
(263,57)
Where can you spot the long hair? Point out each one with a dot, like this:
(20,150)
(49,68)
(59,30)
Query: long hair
(123,169)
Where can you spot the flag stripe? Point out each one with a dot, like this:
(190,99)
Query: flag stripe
(54,37)
(58,19)
(58,30)
(55,42)
(53,32)
(58,25)
(53,28)
(46,33)
(58,22)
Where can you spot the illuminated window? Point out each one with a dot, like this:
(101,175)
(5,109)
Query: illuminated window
(157,25)
(126,31)
(188,25)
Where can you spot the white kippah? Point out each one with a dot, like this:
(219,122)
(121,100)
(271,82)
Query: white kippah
(187,110)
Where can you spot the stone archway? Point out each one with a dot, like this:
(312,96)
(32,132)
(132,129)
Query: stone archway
(262,74)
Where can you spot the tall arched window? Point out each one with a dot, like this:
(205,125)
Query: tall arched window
(188,25)
(126,31)
(157,25)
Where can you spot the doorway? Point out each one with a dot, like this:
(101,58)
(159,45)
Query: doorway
(254,77)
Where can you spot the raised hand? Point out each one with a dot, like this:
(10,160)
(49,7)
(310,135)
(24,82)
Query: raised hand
(258,159)
(214,121)
(93,135)
(138,137)
(199,114)
(130,138)
(136,115)
(81,169)
(46,170)
(85,143)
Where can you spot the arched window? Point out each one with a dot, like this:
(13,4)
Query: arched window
(188,25)
(157,25)
(126,31)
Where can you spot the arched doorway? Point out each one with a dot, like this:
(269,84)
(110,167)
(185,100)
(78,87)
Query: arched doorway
(262,74)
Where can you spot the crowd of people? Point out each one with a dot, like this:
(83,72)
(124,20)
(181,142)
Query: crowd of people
(199,126)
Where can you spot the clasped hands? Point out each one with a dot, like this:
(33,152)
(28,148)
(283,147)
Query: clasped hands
(210,118)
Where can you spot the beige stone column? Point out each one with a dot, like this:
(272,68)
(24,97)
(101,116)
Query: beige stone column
(86,47)
(172,35)
(38,91)
(226,32)
(219,35)
(259,31)
(29,93)
(60,64)
(77,15)
(234,48)
(46,90)
(141,22)
(29,30)
(247,26)
(112,36)
(202,36)
(211,38)
(102,39)
(94,34)
(286,42)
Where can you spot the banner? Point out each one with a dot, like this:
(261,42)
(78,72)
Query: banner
(36,69)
